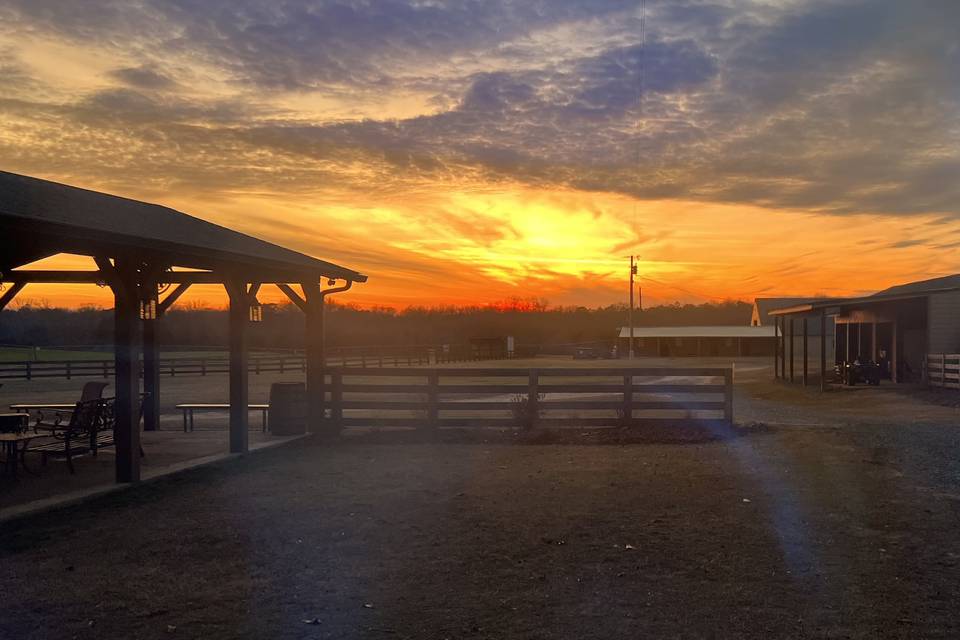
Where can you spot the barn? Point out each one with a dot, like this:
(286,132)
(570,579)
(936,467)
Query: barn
(904,324)
(713,341)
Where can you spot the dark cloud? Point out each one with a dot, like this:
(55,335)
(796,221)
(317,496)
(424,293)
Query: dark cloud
(840,106)
(144,77)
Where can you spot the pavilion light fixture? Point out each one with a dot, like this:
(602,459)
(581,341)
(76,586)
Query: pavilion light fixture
(256,311)
(148,307)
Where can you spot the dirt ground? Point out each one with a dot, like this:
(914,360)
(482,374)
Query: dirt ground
(837,520)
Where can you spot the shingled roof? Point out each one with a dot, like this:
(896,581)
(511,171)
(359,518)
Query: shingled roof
(56,218)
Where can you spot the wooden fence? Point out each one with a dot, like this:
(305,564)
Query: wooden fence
(943,370)
(201,366)
(429,399)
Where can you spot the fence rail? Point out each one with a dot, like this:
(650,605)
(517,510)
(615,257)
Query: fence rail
(429,399)
(943,370)
(202,366)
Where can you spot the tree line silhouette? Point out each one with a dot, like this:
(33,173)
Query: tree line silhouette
(529,322)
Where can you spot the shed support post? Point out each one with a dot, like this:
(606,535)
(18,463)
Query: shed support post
(126,322)
(776,348)
(315,358)
(239,361)
(151,376)
(823,352)
(805,376)
(783,348)
(895,355)
(791,347)
(846,356)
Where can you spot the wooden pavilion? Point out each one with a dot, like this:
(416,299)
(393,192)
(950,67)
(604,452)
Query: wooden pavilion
(138,248)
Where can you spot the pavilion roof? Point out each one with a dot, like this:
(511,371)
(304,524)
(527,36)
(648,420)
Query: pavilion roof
(48,218)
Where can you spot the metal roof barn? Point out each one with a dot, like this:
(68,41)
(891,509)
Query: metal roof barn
(898,327)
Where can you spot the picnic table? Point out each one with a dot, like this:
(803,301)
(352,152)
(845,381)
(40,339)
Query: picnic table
(189,409)
(27,408)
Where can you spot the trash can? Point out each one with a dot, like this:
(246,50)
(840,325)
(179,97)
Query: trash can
(288,409)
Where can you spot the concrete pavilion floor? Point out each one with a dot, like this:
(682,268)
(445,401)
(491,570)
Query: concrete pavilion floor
(166,451)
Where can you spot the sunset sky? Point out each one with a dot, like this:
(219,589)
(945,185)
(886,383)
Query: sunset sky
(466,152)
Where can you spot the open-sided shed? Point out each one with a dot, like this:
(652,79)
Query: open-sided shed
(905,323)
(138,248)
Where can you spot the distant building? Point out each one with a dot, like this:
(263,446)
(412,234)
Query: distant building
(725,341)
(902,324)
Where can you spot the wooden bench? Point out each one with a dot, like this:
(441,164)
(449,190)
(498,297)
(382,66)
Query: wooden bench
(190,408)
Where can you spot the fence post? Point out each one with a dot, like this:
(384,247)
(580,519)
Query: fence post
(336,399)
(281,364)
(728,396)
(203,367)
(533,393)
(68,369)
(256,366)
(433,393)
(628,399)
(381,361)
(29,371)
(106,367)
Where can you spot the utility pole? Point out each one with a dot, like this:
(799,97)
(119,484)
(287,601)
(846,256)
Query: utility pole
(633,272)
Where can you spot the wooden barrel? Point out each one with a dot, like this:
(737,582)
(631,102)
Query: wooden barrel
(288,409)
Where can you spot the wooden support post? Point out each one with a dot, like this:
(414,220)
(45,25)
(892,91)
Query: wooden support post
(783,348)
(805,359)
(728,396)
(895,354)
(122,278)
(239,317)
(10,294)
(533,396)
(336,400)
(790,328)
(777,335)
(315,360)
(151,376)
(823,352)
(627,399)
(846,356)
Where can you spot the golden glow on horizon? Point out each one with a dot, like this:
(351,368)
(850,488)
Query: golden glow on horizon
(480,247)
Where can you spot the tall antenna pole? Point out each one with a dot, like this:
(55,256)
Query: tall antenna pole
(633,272)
